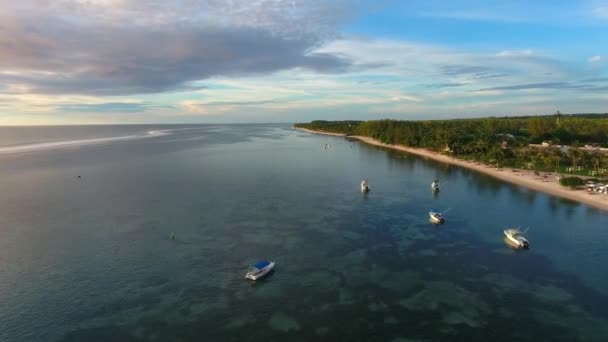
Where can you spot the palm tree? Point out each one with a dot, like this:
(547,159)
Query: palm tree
(481,145)
(535,157)
(499,155)
(595,159)
(575,153)
(520,153)
(604,161)
(555,156)
(584,159)
(546,158)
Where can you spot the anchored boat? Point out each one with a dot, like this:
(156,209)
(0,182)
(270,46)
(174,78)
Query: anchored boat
(435,185)
(436,217)
(515,238)
(259,269)
(364,186)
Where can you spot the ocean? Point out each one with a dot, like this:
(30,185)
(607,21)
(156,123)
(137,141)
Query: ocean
(87,215)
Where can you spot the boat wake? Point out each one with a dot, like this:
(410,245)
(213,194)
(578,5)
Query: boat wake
(77,143)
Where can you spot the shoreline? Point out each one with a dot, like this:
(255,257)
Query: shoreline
(320,132)
(543,182)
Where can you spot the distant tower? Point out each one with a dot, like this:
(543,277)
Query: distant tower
(557,116)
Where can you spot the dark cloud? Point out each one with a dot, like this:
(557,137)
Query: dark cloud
(367,66)
(484,76)
(548,85)
(471,71)
(237,103)
(445,85)
(63,54)
(600,89)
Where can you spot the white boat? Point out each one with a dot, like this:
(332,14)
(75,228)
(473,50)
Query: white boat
(365,186)
(516,238)
(436,217)
(435,185)
(259,269)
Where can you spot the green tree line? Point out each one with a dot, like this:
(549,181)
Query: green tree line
(501,141)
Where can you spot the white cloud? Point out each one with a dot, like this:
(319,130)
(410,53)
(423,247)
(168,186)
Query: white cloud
(194,107)
(404,97)
(600,11)
(514,53)
(403,79)
(594,59)
(487,93)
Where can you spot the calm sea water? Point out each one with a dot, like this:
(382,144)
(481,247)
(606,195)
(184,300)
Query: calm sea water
(92,259)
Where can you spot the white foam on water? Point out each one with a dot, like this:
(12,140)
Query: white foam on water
(77,143)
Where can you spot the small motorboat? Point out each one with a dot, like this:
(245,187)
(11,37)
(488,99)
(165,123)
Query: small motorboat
(365,186)
(435,185)
(516,239)
(436,217)
(259,269)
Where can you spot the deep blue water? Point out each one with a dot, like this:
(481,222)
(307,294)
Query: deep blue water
(92,259)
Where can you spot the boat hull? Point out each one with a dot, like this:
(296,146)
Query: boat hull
(515,242)
(436,219)
(364,186)
(261,274)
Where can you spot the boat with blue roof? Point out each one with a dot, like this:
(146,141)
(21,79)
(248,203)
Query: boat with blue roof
(259,269)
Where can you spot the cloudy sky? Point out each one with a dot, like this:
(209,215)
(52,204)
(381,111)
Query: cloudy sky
(153,61)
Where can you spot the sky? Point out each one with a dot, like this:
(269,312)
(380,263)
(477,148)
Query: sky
(215,61)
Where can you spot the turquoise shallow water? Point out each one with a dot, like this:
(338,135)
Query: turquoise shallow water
(91,259)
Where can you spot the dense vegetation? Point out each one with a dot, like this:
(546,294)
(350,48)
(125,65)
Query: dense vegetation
(346,127)
(500,141)
(571,182)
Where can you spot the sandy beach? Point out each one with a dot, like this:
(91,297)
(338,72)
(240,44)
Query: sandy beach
(321,132)
(544,181)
